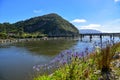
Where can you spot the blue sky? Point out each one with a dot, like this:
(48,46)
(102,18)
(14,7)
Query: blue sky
(103,15)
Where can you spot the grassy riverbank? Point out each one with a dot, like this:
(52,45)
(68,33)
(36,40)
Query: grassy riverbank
(102,64)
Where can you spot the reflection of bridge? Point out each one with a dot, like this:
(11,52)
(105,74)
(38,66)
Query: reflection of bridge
(111,35)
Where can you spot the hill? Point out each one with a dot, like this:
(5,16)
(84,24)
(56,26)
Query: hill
(89,31)
(50,24)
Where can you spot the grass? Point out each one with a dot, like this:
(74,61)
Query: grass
(104,57)
(76,70)
(90,67)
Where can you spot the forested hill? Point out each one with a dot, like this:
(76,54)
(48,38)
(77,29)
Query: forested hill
(50,24)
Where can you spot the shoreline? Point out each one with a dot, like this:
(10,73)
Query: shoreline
(10,41)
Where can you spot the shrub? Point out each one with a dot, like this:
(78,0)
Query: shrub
(104,56)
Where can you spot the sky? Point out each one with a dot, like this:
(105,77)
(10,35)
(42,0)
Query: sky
(103,15)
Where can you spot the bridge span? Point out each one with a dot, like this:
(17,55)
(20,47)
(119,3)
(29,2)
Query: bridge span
(100,35)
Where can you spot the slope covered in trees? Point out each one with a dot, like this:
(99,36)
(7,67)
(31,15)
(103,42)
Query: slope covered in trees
(50,25)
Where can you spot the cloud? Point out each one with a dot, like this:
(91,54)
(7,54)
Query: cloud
(117,0)
(112,26)
(91,26)
(109,26)
(78,21)
(37,11)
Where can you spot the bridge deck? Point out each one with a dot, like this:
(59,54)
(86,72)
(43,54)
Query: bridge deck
(100,34)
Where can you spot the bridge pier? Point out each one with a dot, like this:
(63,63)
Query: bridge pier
(90,38)
(81,36)
(110,37)
(101,41)
(113,38)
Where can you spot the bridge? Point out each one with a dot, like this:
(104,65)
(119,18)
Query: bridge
(100,35)
(70,37)
(90,35)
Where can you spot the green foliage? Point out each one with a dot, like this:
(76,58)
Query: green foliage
(91,67)
(116,47)
(47,25)
(44,78)
(51,24)
(3,35)
(104,57)
(7,30)
(78,69)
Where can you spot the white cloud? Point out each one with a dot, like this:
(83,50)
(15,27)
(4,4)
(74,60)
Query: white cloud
(37,11)
(109,26)
(78,21)
(112,26)
(116,0)
(91,26)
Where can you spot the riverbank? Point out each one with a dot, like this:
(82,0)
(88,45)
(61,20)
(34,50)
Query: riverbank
(102,64)
(14,40)
(5,43)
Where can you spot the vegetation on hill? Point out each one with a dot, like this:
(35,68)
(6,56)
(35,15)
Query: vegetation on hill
(46,25)
(50,24)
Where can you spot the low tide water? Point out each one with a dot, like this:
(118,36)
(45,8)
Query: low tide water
(17,60)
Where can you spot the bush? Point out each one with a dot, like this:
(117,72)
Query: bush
(104,56)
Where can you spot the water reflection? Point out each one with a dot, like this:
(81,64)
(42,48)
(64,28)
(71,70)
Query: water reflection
(47,47)
(17,61)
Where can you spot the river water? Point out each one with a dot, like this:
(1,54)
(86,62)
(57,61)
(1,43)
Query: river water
(17,60)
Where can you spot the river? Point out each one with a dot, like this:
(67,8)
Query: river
(17,60)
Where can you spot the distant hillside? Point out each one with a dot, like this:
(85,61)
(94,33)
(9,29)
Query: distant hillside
(89,31)
(50,24)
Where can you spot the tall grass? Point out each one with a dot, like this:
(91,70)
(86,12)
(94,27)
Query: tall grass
(104,56)
(77,69)
(81,67)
